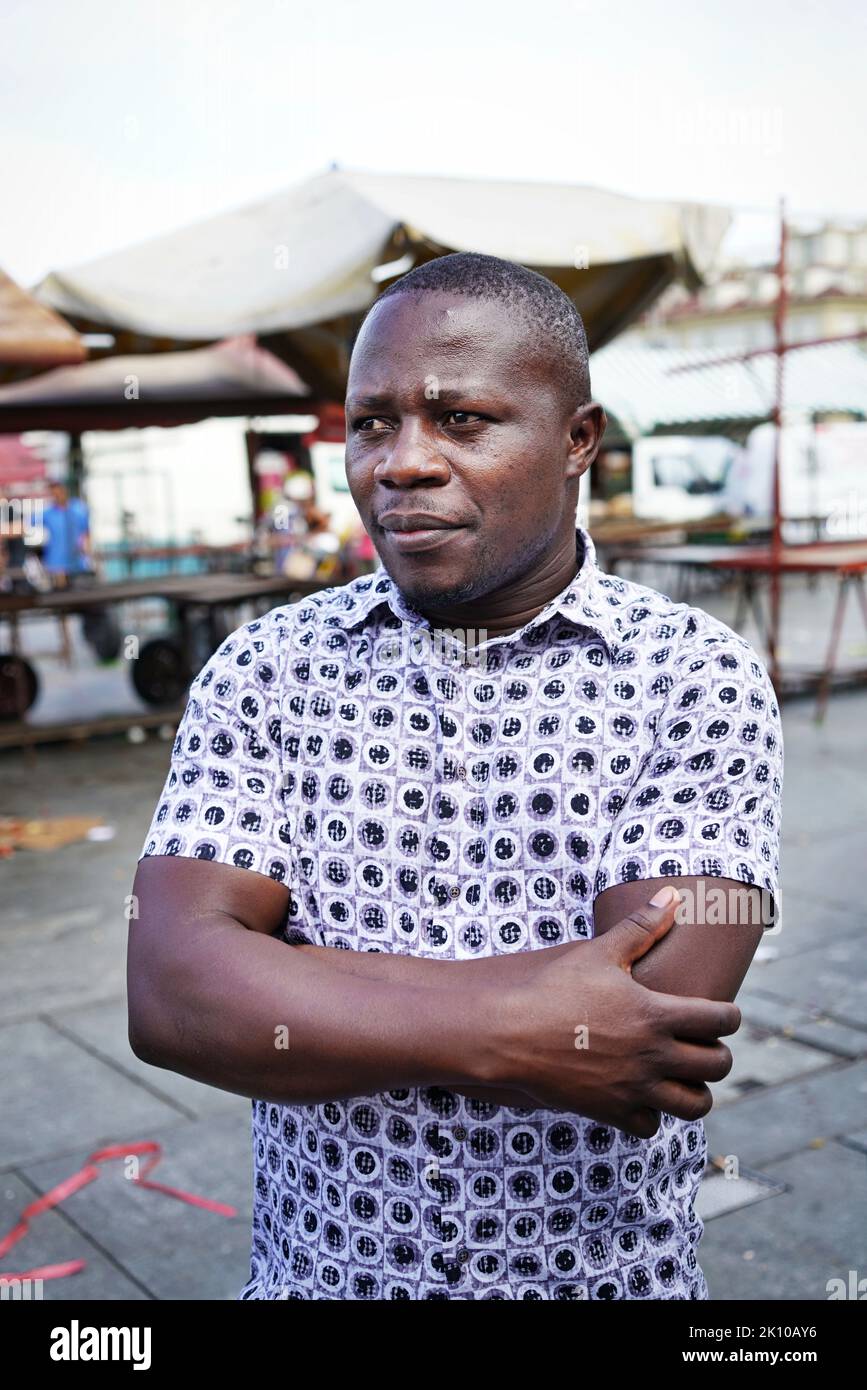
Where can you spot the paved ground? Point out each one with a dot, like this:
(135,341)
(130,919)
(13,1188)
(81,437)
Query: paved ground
(791,1118)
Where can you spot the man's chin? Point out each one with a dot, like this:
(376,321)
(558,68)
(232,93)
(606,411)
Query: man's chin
(430,591)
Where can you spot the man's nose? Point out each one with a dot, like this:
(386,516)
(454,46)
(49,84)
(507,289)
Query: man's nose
(410,455)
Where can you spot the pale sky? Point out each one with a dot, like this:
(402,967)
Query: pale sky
(120,120)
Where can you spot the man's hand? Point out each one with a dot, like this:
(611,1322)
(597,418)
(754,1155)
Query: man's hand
(581,1034)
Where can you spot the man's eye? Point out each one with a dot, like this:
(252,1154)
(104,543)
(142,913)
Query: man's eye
(466,416)
(369,422)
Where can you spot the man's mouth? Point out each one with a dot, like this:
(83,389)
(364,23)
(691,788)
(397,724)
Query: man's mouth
(422,538)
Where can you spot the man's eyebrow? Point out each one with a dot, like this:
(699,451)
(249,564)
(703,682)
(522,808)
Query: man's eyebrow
(370,402)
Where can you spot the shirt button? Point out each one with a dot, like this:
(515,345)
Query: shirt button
(463,1254)
(460,1132)
(454,892)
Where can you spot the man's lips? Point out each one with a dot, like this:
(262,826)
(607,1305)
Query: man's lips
(421,538)
(415,521)
(413,531)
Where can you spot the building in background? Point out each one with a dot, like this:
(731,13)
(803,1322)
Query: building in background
(734,310)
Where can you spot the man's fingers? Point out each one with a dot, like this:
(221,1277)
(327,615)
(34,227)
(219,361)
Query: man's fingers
(687,1017)
(695,1062)
(632,937)
(643,1123)
(686,1102)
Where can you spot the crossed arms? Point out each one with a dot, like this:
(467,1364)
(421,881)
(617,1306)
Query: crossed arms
(215,995)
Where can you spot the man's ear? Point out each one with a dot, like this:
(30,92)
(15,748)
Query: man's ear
(586,430)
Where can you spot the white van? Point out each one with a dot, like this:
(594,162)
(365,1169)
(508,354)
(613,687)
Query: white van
(823,477)
(681,477)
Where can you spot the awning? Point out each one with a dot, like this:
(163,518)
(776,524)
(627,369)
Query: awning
(177,388)
(32,336)
(298,269)
(642,387)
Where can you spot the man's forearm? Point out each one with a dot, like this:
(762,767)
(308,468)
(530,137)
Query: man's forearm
(244,1012)
(398,968)
(429,972)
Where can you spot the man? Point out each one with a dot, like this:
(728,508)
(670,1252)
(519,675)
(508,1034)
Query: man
(66,527)
(400,874)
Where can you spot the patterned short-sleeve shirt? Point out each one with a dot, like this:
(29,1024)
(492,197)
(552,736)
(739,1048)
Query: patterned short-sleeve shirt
(415,803)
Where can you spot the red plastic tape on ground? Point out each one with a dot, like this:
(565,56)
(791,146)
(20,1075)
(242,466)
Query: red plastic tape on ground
(64,1189)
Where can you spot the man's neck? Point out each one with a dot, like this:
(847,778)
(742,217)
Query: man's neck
(508,610)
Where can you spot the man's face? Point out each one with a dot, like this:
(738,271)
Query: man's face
(58,494)
(451,413)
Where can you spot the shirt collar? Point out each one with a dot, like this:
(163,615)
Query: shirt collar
(589,600)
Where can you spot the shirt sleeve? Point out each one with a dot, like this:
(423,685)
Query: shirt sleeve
(707,800)
(223,797)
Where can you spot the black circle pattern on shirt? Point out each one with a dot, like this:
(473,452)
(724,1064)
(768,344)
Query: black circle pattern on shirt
(412,805)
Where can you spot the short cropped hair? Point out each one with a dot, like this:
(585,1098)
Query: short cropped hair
(555,324)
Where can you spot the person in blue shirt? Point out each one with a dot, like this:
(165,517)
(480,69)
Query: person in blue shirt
(66,528)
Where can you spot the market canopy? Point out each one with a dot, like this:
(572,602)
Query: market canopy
(32,336)
(175,388)
(298,269)
(649,389)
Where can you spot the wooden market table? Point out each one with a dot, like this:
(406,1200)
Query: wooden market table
(754,564)
(164,665)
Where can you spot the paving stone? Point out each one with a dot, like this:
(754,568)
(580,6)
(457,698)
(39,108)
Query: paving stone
(767,1012)
(779,1120)
(61,960)
(855,1141)
(832,1037)
(827,866)
(52,1239)
(807,922)
(789,1248)
(721,1193)
(760,1061)
(58,1098)
(815,806)
(177,1251)
(104,1029)
(830,979)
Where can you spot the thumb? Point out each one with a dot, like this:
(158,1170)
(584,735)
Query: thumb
(632,937)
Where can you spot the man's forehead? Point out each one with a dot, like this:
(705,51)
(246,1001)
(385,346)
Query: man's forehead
(445,317)
(474,338)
